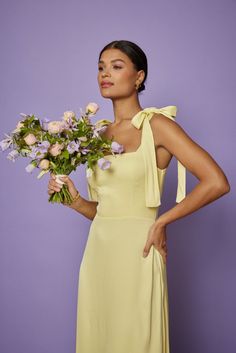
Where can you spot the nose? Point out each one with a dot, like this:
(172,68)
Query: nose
(105,73)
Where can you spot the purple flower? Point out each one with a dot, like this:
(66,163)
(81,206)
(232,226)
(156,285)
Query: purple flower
(44,123)
(103,163)
(39,151)
(43,146)
(102,129)
(97,131)
(36,153)
(116,147)
(6,143)
(69,121)
(85,150)
(12,155)
(73,146)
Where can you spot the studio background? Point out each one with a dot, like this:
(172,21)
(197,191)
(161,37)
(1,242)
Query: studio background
(48,62)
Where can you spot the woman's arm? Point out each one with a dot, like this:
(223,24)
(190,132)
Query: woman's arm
(213,182)
(85,207)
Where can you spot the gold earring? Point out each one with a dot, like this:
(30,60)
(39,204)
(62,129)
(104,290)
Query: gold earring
(137,86)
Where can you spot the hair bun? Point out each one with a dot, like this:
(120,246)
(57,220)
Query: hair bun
(142,87)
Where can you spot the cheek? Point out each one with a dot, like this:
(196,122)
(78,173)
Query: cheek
(124,78)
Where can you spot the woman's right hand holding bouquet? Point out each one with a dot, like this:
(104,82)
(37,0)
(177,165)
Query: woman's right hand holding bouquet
(55,185)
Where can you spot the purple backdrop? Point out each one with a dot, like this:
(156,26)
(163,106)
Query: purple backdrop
(49,52)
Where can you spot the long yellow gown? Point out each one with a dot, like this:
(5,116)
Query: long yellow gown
(122,296)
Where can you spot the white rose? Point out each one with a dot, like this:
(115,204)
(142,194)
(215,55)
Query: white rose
(54,127)
(69,114)
(92,108)
(44,164)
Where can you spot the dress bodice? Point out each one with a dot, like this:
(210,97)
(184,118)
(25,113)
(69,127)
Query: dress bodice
(133,184)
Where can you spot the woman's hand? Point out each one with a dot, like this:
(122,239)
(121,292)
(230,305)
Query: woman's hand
(54,186)
(157,238)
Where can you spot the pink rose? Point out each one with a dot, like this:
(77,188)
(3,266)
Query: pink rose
(91,108)
(30,139)
(56,149)
(54,127)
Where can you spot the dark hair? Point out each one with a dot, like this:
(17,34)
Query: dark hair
(134,52)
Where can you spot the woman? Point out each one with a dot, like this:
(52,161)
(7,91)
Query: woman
(123,297)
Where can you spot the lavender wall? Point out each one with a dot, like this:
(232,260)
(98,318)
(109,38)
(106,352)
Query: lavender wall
(49,52)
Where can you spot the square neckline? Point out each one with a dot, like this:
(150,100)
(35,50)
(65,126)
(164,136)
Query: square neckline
(122,154)
(139,147)
(132,153)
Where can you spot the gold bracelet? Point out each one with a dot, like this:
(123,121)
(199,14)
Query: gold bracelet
(77,196)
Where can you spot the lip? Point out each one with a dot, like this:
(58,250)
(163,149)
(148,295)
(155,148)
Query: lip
(106,84)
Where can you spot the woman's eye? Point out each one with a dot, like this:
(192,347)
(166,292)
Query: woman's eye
(115,67)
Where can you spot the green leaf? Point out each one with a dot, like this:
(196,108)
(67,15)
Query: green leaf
(65,154)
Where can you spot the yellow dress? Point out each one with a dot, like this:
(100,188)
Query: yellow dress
(122,296)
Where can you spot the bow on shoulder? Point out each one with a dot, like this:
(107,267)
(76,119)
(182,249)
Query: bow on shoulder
(152,187)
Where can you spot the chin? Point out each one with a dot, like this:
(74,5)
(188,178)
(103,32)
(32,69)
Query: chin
(114,95)
(108,94)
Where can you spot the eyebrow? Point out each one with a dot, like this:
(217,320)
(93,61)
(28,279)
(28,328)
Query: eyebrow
(101,61)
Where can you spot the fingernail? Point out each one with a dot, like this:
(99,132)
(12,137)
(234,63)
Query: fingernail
(145,254)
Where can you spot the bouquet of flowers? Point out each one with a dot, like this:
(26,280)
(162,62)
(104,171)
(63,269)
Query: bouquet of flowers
(61,146)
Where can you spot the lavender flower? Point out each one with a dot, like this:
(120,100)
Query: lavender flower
(24,115)
(39,151)
(97,131)
(85,150)
(12,155)
(103,163)
(116,147)
(73,146)
(36,153)
(6,143)
(68,123)
(44,124)
(101,129)
(43,146)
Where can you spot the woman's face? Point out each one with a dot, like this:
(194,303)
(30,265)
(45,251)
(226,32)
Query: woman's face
(116,67)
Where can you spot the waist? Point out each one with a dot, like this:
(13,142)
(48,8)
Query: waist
(116,211)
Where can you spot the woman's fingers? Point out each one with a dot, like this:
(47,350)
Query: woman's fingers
(53,185)
(71,187)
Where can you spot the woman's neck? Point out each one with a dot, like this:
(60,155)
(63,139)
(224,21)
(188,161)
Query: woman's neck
(125,109)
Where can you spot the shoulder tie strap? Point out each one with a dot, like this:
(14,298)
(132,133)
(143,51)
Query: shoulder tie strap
(152,188)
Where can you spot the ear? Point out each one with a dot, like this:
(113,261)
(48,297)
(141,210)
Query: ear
(141,76)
